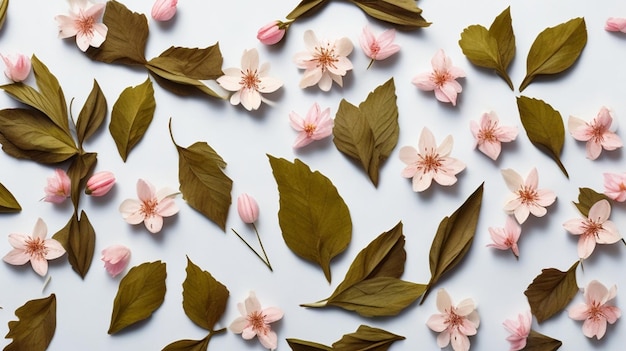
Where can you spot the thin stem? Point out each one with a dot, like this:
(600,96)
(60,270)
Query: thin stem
(253,250)
(267,260)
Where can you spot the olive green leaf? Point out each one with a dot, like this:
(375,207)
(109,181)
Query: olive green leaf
(131,116)
(127,36)
(302,345)
(551,291)
(314,219)
(454,238)
(586,198)
(544,127)
(492,48)
(367,338)
(79,169)
(36,325)
(306,7)
(555,49)
(189,345)
(141,292)
(204,298)
(79,240)
(92,114)
(539,342)
(4,5)
(8,202)
(369,133)
(203,183)
(402,13)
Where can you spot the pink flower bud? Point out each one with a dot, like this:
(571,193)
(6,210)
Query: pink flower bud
(100,183)
(248,208)
(115,258)
(17,67)
(614,24)
(164,10)
(58,188)
(272,32)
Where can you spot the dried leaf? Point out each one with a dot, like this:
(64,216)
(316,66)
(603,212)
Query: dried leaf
(4,5)
(92,114)
(367,338)
(551,291)
(131,116)
(79,169)
(8,203)
(314,219)
(555,49)
(302,345)
(79,240)
(141,292)
(306,7)
(544,127)
(402,13)
(539,342)
(204,298)
(36,325)
(586,198)
(188,345)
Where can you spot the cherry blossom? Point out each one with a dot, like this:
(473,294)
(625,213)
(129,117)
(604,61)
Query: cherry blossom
(164,10)
(442,79)
(151,207)
(58,187)
(595,229)
(255,321)
(83,22)
(596,133)
(615,186)
(519,330)
(595,312)
(489,134)
(615,24)
(115,258)
(315,126)
(506,238)
(17,66)
(430,162)
(324,61)
(526,198)
(455,323)
(378,48)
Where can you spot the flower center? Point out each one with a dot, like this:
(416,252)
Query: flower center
(309,129)
(441,78)
(591,227)
(429,162)
(325,56)
(488,134)
(454,320)
(148,208)
(85,24)
(375,49)
(595,311)
(527,195)
(36,248)
(250,80)
(257,321)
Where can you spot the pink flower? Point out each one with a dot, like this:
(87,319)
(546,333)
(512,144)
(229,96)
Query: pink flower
(151,207)
(430,162)
(272,32)
(454,324)
(324,61)
(614,24)
(83,22)
(442,79)
(489,134)
(519,330)
(506,238)
(255,321)
(100,183)
(17,66)
(315,126)
(378,48)
(595,229)
(594,311)
(34,248)
(615,186)
(115,258)
(248,208)
(526,197)
(249,82)
(58,188)
(596,133)
(164,10)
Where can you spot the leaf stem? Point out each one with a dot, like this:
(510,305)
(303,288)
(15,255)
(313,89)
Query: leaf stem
(267,260)
(317,304)
(267,263)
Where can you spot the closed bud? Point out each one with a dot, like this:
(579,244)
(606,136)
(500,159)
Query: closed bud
(17,67)
(248,208)
(272,32)
(115,258)
(164,10)
(100,183)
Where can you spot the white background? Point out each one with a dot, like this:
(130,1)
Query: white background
(494,279)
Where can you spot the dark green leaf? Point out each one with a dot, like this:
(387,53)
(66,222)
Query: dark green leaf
(204,298)
(402,13)
(188,345)
(539,342)
(367,339)
(551,291)
(586,198)
(302,345)
(92,114)
(79,169)
(306,7)
(8,203)
(36,325)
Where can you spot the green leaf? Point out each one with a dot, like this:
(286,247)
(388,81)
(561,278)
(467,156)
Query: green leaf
(555,49)
(306,7)
(4,5)
(314,219)
(188,345)
(36,325)
(370,132)
(141,292)
(551,291)
(539,342)
(203,183)
(127,36)
(402,13)
(79,169)
(8,203)
(131,116)
(92,114)
(79,240)
(204,298)
(302,345)
(544,127)
(454,238)
(586,198)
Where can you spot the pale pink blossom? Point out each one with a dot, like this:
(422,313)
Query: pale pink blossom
(164,10)
(316,125)
(442,79)
(17,66)
(249,82)
(615,24)
(378,48)
(615,186)
(506,238)
(595,229)
(151,207)
(430,162)
(324,61)
(248,208)
(34,248)
(526,198)
(595,311)
(489,134)
(519,330)
(58,187)
(100,183)
(115,258)
(272,32)
(255,321)
(596,133)
(455,323)
(84,23)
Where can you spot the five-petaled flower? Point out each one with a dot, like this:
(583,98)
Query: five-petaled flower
(506,238)
(519,330)
(615,24)
(83,22)
(455,323)
(595,229)
(151,207)
(595,312)
(526,197)
(615,186)
(17,66)
(596,133)
(249,82)
(430,162)
(34,248)
(442,79)
(315,126)
(489,134)
(378,48)
(115,258)
(324,61)
(255,321)
(58,187)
